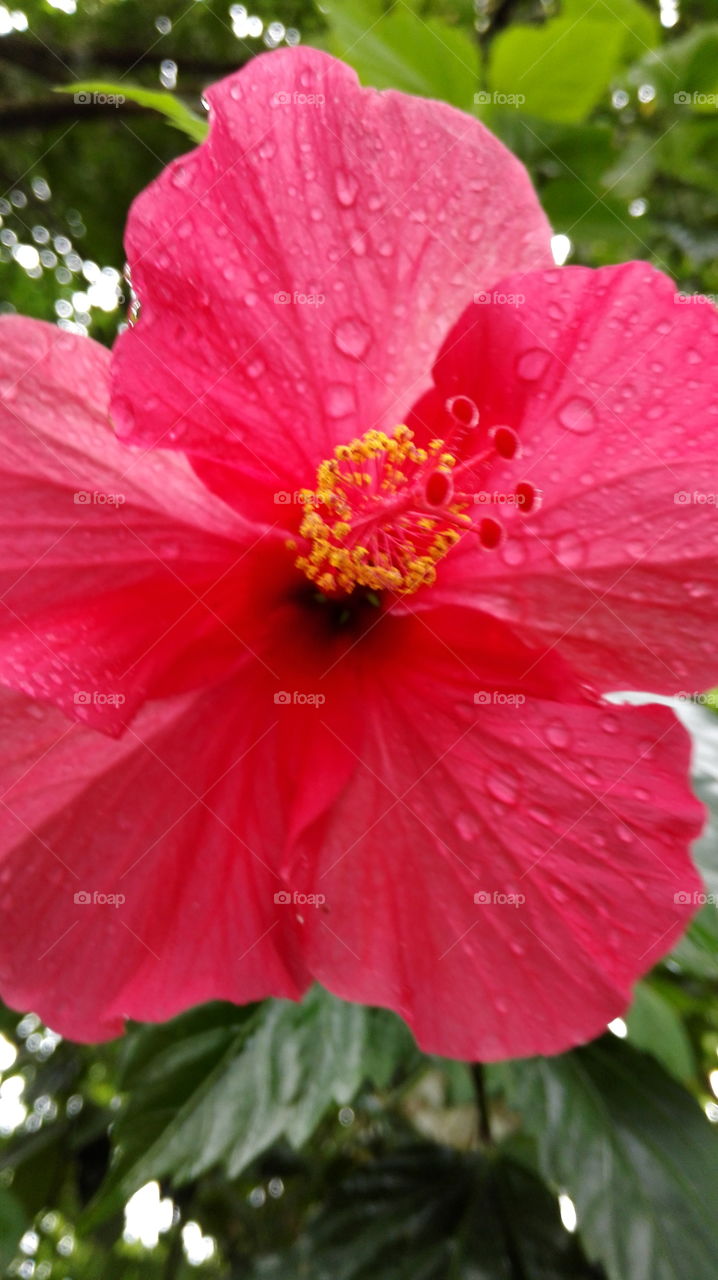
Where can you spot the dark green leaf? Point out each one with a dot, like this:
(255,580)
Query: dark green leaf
(634,1152)
(206,1096)
(13,1223)
(654,1025)
(428,1213)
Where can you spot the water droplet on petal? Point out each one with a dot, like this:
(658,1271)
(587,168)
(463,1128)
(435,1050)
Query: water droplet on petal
(578,415)
(340,400)
(513,552)
(503,785)
(610,723)
(570,550)
(532,364)
(557,735)
(466,826)
(346,187)
(352,337)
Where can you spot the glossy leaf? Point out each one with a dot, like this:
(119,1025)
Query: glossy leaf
(634,1152)
(220,1085)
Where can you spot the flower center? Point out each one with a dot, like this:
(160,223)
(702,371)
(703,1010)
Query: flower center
(385,511)
(383,514)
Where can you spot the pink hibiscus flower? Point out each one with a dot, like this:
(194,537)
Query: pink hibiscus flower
(310,684)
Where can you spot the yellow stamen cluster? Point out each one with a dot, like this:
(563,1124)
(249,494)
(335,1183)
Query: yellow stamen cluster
(369,522)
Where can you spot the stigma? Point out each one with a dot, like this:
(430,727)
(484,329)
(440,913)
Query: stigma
(386,511)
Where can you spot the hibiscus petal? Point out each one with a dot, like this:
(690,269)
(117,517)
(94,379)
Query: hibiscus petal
(298,271)
(184,837)
(609,379)
(103,550)
(570,822)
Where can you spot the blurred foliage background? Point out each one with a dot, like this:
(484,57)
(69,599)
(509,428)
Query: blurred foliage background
(315,1140)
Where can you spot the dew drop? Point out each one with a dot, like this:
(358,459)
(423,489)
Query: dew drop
(340,400)
(532,364)
(513,552)
(346,187)
(466,826)
(570,550)
(352,337)
(610,724)
(503,785)
(357,243)
(557,735)
(577,415)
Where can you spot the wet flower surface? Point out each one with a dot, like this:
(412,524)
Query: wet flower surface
(306,664)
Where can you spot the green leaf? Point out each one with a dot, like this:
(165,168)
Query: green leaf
(167,104)
(634,1152)
(427,1213)
(400,50)
(697,951)
(217,1087)
(390,1049)
(684,72)
(13,1222)
(564,67)
(702,725)
(654,1026)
